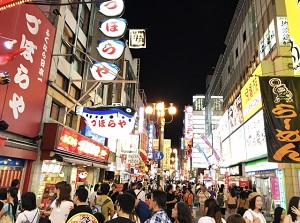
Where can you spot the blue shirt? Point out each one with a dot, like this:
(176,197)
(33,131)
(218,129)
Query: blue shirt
(10,213)
(143,212)
(159,216)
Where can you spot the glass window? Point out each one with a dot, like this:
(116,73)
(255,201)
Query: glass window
(69,120)
(54,111)
(78,59)
(61,81)
(73,7)
(84,18)
(74,92)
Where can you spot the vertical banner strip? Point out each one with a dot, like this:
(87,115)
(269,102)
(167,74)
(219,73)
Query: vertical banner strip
(280,103)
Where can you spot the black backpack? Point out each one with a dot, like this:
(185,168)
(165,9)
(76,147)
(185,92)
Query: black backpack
(220,199)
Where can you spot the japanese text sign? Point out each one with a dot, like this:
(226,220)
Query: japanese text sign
(75,143)
(282,123)
(22,106)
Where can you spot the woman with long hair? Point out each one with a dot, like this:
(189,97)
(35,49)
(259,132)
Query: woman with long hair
(171,200)
(293,212)
(10,208)
(181,213)
(279,215)
(235,218)
(212,212)
(61,207)
(253,214)
(30,213)
(232,201)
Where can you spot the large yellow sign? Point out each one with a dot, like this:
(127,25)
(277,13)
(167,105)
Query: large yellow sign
(167,154)
(251,97)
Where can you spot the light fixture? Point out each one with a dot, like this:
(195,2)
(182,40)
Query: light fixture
(9,43)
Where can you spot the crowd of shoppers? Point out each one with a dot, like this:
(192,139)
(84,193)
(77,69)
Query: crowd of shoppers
(143,203)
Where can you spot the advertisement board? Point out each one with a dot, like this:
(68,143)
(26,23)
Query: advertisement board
(188,122)
(71,141)
(226,152)
(224,126)
(255,137)
(235,114)
(130,144)
(22,106)
(251,96)
(237,145)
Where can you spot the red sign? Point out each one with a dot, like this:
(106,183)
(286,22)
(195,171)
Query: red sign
(75,143)
(22,100)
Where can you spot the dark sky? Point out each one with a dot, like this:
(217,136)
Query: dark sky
(184,41)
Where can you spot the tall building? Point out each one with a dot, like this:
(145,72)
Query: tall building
(261,42)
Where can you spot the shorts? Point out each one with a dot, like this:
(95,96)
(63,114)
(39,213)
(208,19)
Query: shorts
(232,206)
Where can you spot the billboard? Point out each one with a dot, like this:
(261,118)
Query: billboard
(188,122)
(235,114)
(251,96)
(22,106)
(224,126)
(282,122)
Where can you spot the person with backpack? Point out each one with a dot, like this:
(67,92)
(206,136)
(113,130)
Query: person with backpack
(9,209)
(104,203)
(140,193)
(80,199)
(221,198)
(30,213)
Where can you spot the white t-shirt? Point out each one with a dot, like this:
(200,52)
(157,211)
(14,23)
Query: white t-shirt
(60,214)
(140,194)
(32,216)
(207,219)
(250,213)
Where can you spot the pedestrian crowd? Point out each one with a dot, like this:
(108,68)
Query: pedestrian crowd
(142,202)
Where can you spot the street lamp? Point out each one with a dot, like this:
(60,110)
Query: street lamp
(158,109)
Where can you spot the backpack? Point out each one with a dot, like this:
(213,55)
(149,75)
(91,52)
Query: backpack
(27,221)
(98,207)
(220,199)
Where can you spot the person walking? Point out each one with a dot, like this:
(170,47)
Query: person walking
(140,193)
(212,212)
(232,201)
(62,205)
(105,201)
(221,199)
(181,213)
(293,212)
(157,203)
(9,209)
(113,193)
(30,213)
(253,214)
(202,196)
(80,199)
(279,215)
(125,205)
(171,200)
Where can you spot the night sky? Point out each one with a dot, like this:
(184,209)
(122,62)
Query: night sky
(184,41)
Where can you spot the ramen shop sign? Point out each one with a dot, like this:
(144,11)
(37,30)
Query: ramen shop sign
(75,143)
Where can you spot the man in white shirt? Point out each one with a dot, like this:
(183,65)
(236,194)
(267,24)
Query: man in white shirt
(139,192)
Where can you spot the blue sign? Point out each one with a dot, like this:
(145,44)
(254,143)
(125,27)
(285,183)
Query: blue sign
(9,161)
(159,155)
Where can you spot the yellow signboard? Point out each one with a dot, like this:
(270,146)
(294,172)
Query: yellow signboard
(251,97)
(167,154)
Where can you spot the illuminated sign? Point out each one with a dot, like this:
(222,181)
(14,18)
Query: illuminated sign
(112,8)
(150,141)
(267,43)
(111,49)
(141,120)
(6,4)
(224,126)
(73,142)
(280,175)
(133,159)
(283,31)
(260,165)
(235,114)
(104,71)
(109,121)
(167,154)
(251,96)
(188,121)
(114,28)
(130,144)
(30,70)
(137,38)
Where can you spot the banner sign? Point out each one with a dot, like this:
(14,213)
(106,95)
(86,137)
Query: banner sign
(282,122)
(137,38)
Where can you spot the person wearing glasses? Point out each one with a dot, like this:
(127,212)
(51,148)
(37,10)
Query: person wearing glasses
(124,207)
(157,204)
(80,199)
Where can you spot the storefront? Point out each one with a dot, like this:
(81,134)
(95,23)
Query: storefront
(16,163)
(264,176)
(69,156)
